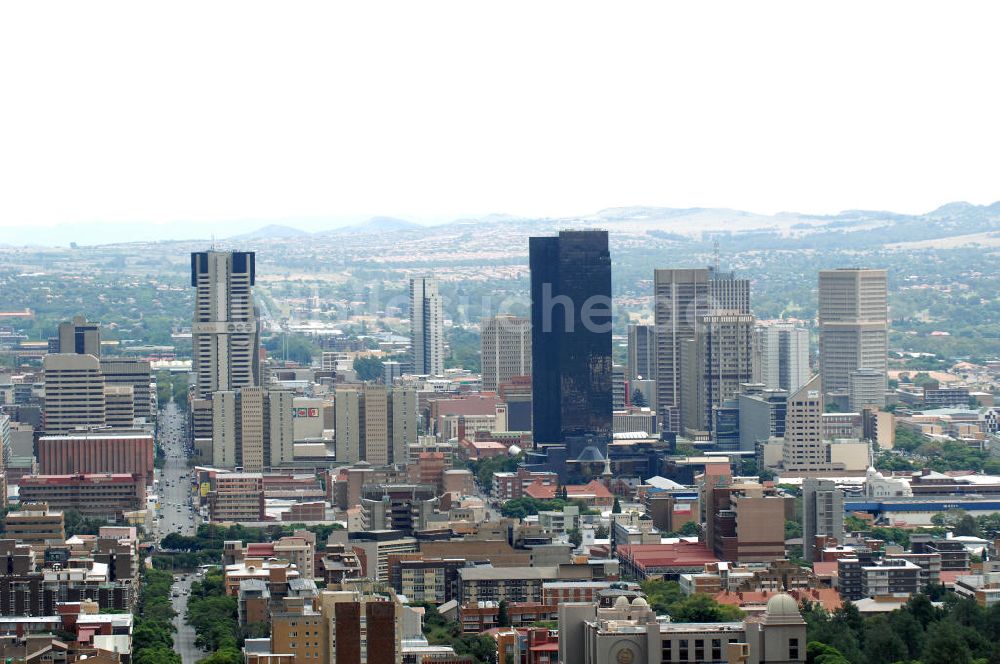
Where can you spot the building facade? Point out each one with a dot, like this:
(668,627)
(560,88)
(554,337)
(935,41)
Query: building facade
(224,329)
(426,327)
(570,335)
(783,352)
(505,350)
(853,324)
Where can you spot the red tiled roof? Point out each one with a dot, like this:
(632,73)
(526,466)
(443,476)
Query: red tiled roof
(593,487)
(540,491)
(827,597)
(825,569)
(678,554)
(948,576)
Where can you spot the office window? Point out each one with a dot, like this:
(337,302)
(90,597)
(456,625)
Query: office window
(716,649)
(793,648)
(682,650)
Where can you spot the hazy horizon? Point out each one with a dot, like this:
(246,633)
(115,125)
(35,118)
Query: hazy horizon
(217,113)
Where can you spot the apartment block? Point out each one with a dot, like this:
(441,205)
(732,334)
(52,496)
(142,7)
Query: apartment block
(505,350)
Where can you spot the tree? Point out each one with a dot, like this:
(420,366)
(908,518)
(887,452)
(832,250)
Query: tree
(368,368)
(503,615)
(223,656)
(820,653)
(690,529)
(575,537)
(793,529)
(601,532)
(945,645)
(703,608)
(638,399)
(922,609)
(662,595)
(617,507)
(156,655)
(882,644)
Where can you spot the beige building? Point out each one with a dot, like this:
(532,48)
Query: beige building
(300,631)
(34,524)
(715,361)
(505,350)
(74,393)
(629,633)
(236,497)
(853,325)
(803,447)
(119,406)
(681,297)
(252,428)
(224,335)
(128,372)
(375,423)
(866,389)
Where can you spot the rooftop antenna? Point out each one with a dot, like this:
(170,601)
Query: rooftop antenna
(213,241)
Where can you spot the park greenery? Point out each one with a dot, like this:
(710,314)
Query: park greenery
(518,508)
(666,597)
(214,617)
(957,632)
(441,631)
(153,630)
(483,469)
(205,546)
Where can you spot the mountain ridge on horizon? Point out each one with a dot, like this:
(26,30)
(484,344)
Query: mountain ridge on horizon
(703,219)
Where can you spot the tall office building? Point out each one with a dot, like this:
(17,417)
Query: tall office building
(505,350)
(375,423)
(618,387)
(224,332)
(715,362)
(803,448)
(570,335)
(80,337)
(783,356)
(426,327)
(762,416)
(853,324)
(74,393)
(252,428)
(641,352)
(866,389)
(681,297)
(822,514)
(135,374)
(119,406)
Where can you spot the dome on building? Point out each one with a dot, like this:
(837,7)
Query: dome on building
(639,603)
(782,605)
(621,602)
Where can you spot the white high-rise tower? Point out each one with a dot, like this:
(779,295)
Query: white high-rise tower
(426,326)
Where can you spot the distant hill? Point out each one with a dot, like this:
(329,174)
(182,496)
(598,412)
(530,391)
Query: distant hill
(375,225)
(269,232)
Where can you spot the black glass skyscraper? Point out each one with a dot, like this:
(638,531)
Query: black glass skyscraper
(570,335)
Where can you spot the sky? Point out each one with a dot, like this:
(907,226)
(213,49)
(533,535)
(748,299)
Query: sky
(150,113)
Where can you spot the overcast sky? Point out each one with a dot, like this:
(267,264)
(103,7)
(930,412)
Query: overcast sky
(429,110)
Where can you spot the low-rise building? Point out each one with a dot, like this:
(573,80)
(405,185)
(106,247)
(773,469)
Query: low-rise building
(102,495)
(630,633)
(35,524)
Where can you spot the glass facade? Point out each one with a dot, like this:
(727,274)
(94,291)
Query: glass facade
(570,335)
